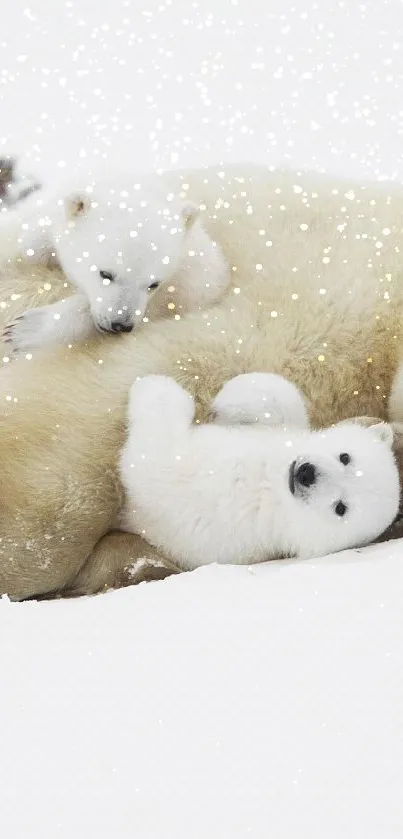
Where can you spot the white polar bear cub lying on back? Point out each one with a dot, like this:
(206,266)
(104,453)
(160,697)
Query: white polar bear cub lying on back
(249,493)
(117,239)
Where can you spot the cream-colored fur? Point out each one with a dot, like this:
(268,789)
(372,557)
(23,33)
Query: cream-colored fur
(317,295)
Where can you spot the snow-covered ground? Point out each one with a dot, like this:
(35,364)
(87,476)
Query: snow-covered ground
(229,702)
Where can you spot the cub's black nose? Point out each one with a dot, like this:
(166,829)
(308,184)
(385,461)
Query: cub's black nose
(117,326)
(305,474)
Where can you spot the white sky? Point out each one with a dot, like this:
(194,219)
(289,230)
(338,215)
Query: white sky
(184,83)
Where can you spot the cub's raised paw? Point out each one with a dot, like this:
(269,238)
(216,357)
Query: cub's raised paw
(161,397)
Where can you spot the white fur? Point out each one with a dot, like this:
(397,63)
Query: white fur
(214,493)
(66,321)
(10,234)
(260,397)
(22,186)
(132,227)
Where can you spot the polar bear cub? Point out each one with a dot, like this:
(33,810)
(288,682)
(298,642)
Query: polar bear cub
(249,493)
(117,238)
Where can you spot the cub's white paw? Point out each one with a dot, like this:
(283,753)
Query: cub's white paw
(161,397)
(260,398)
(28,331)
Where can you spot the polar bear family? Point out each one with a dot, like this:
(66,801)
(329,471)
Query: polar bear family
(304,278)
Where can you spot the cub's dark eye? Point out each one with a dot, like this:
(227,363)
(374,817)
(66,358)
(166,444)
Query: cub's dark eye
(340,509)
(106,275)
(345,458)
(153,286)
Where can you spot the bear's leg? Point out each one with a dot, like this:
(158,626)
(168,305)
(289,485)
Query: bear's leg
(158,404)
(160,414)
(118,560)
(64,322)
(260,397)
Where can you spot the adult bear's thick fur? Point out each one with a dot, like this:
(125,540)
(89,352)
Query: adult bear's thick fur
(317,295)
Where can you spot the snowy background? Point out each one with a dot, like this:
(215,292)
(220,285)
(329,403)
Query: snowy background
(227,703)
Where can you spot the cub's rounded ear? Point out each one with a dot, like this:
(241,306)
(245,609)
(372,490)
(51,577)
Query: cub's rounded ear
(397,428)
(366,422)
(384,431)
(77,204)
(398,446)
(190,213)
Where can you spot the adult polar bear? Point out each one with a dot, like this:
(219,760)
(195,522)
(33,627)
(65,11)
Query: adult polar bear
(316,295)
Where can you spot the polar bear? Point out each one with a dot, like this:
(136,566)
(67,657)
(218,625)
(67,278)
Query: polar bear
(316,295)
(117,238)
(214,493)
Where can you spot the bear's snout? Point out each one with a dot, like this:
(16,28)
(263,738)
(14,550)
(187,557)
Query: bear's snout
(118,326)
(305,475)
